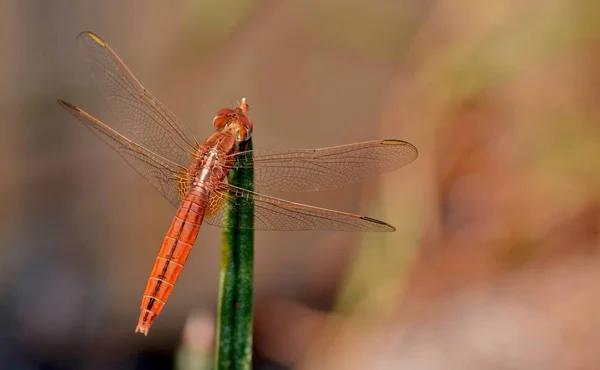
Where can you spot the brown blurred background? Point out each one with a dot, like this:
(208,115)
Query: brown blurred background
(494,264)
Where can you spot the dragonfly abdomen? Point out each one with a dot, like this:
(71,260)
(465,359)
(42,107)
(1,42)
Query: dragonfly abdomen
(172,255)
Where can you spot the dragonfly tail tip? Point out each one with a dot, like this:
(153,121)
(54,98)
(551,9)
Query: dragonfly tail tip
(142,330)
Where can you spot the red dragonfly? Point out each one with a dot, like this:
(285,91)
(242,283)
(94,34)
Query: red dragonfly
(192,176)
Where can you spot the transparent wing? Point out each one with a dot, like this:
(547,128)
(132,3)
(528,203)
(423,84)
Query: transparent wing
(328,168)
(276,214)
(167,177)
(150,122)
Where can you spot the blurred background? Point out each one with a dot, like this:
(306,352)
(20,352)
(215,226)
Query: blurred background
(495,262)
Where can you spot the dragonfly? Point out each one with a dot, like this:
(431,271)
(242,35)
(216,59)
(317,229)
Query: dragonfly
(192,176)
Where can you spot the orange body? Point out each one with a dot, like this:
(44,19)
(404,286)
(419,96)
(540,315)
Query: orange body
(172,256)
(206,172)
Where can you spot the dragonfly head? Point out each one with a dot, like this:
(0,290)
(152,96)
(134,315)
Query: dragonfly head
(236,120)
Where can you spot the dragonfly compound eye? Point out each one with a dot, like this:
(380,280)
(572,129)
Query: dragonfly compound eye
(224,117)
(244,127)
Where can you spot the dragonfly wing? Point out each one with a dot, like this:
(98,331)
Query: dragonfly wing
(167,177)
(277,214)
(151,123)
(328,168)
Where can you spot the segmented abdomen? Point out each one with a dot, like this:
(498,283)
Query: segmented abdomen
(172,256)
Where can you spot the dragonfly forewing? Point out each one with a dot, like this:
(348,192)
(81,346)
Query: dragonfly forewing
(328,168)
(150,122)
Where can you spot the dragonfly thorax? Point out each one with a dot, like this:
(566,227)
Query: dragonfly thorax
(207,170)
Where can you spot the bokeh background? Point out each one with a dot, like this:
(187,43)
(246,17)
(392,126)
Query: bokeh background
(495,262)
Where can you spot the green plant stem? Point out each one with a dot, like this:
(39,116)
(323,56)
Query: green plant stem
(234,328)
(226,313)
